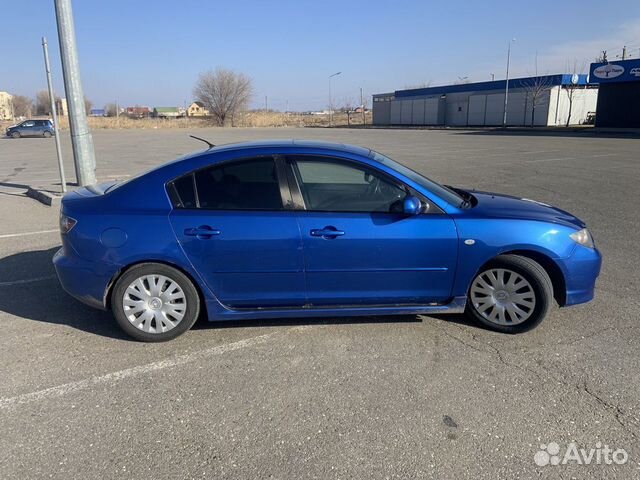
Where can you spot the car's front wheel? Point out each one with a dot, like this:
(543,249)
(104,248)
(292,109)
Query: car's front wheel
(154,302)
(512,294)
(15,134)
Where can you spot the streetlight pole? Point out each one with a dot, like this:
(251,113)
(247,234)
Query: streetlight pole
(81,140)
(330,101)
(506,88)
(54,114)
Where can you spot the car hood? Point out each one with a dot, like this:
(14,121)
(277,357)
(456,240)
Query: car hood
(495,205)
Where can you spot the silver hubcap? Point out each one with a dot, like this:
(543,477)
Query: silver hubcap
(154,303)
(502,296)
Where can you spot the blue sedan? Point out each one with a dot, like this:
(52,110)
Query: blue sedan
(287,229)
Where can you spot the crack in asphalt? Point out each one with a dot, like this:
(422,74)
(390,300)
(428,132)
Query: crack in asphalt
(616,410)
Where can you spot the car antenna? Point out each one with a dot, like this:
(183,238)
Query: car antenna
(211,145)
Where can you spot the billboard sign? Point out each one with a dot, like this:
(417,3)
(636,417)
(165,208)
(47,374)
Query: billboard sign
(612,72)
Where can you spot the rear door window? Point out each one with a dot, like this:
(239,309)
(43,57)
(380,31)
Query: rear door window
(241,185)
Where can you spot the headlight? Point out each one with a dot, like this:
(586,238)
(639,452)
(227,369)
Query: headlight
(583,237)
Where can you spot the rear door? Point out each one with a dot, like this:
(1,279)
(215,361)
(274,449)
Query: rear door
(232,223)
(358,246)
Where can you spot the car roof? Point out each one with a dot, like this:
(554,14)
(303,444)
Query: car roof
(290,144)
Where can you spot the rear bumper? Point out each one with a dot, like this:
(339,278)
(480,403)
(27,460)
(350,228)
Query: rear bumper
(581,270)
(83,280)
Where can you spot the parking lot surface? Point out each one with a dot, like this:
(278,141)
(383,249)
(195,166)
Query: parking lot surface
(388,397)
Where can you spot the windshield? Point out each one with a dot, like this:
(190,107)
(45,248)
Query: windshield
(441,191)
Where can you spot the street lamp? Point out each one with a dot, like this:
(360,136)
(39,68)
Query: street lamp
(330,101)
(506,88)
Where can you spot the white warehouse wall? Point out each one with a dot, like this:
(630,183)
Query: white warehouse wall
(584,101)
(487,109)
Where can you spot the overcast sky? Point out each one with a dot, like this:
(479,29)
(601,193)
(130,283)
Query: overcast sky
(150,52)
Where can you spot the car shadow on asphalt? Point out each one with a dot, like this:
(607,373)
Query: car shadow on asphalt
(30,290)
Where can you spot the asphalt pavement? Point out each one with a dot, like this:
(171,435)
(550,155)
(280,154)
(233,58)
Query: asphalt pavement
(376,397)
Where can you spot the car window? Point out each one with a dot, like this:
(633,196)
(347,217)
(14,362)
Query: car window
(186,194)
(242,185)
(28,124)
(332,185)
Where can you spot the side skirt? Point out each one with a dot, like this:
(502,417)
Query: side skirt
(217,312)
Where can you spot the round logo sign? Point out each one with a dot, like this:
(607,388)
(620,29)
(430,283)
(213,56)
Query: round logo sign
(608,71)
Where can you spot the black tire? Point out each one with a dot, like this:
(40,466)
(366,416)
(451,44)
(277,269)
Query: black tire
(15,134)
(191,295)
(46,134)
(539,282)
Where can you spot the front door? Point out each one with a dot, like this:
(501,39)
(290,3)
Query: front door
(236,233)
(358,246)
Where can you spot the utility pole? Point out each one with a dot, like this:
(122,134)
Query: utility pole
(506,88)
(54,114)
(331,101)
(81,140)
(364,115)
(266,104)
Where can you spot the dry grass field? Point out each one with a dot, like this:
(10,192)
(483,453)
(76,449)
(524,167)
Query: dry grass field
(246,119)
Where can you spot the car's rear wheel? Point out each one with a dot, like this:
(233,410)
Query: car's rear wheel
(153,302)
(47,134)
(15,134)
(512,294)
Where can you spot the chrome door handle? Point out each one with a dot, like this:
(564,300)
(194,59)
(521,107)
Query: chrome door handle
(326,232)
(203,232)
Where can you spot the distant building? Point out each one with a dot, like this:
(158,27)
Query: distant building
(197,109)
(6,106)
(138,112)
(166,112)
(61,107)
(618,94)
(97,112)
(482,104)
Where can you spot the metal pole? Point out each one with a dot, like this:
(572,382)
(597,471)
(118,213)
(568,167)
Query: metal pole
(81,140)
(330,101)
(330,104)
(506,88)
(54,114)
(364,118)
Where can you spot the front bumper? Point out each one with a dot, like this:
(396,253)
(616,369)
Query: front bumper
(581,270)
(83,280)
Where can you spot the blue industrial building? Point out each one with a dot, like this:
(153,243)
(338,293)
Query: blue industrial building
(539,101)
(619,93)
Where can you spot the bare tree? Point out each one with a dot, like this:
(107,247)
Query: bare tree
(348,108)
(88,104)
(22,106)
(571,90)
(111,109)
(535,90)
(43,105)
(224,93)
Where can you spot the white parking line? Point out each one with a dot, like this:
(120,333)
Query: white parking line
(114,377)
(28,280)
(550,159)
(13,235)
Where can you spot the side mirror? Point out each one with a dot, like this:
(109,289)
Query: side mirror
(411,205)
